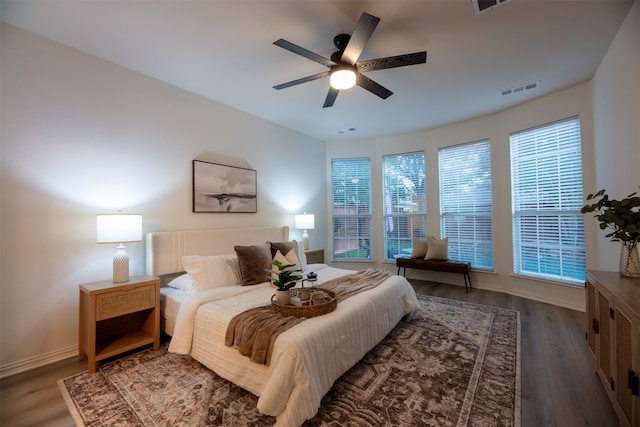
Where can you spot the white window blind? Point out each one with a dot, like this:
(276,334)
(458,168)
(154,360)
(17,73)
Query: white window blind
(466,208)
(546,180)
(351,208)
(405,206)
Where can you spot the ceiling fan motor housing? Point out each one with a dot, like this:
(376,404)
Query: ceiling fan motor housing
(340,41)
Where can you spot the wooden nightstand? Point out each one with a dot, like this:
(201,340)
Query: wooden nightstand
(315,256)
(118,317)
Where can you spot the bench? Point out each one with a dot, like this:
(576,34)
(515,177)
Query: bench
(448,266)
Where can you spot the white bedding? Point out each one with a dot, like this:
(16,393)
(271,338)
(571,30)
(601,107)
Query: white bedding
(172,298)
(170,301)
(307,358)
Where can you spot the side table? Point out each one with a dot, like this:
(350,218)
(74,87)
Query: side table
(118,317)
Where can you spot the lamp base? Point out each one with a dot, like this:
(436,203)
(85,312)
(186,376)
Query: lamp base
(120,265)
(305,240)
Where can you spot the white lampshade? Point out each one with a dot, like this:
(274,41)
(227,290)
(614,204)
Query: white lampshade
(342,78)
(305,221)
(119,228)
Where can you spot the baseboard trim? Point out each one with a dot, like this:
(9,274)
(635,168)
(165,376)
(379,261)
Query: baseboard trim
(534,296)
(38,361)
(571,297)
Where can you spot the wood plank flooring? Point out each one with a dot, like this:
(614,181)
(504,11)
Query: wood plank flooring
(559,385)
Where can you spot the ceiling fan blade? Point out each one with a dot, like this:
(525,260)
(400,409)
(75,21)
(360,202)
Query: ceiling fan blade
(331,97)
(392,61)
(302,80)
(364,28)
(373,87)
(304,52)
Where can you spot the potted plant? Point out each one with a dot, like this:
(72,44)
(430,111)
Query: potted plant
(622,218)
(284,277)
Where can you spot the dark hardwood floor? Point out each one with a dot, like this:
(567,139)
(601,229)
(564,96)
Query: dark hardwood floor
(559,385)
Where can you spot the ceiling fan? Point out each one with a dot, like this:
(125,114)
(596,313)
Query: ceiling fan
(344,63)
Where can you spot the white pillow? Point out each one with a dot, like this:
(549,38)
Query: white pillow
(419,248)
(437,249)
(209,272)
(289,258)
(182,282)
(292,258)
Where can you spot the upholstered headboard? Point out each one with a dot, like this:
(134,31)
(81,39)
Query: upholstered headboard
(165,249)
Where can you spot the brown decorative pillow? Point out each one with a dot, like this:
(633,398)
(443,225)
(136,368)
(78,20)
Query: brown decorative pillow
(253,261)
(283,247)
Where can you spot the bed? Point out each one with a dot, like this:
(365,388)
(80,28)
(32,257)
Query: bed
(306,359)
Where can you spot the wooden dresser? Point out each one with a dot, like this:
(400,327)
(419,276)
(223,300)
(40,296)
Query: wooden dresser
(613,337)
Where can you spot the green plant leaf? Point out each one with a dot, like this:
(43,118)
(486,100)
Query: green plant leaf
(622,217)
(286,275)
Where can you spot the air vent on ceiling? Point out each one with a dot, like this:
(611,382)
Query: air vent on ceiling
(480,6)
(522,88)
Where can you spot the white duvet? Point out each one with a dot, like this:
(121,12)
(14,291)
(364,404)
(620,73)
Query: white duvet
(307,358)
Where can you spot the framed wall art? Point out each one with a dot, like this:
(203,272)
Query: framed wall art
(221,188)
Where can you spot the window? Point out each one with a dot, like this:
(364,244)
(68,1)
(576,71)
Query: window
(351,209)
(405,206)
(546,186)
(466,202)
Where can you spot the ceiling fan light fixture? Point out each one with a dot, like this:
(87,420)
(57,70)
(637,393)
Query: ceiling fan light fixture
(343,77)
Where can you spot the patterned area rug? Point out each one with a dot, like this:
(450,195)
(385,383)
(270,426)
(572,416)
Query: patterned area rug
(449,364)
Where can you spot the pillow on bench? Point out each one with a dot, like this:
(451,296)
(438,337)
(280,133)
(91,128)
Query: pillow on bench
(437,249)
(419,248)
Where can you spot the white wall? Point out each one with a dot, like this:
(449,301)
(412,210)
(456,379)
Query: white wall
(82,136)
(616,124)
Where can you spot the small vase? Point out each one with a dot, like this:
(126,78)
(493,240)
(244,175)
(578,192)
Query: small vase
(629,261)
(283,297)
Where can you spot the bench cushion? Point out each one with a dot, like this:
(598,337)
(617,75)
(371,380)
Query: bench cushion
(449,266)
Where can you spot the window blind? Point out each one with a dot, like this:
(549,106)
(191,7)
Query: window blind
(351,208)
(546,180)
(466,207)
(405,206)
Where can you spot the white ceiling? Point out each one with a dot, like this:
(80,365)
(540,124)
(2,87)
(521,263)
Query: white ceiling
(223,50)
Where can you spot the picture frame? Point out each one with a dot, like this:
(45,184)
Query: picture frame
(223,188)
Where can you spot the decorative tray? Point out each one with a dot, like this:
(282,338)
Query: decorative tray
(309,310)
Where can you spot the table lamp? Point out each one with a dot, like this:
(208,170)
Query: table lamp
(119,228)
(305,222)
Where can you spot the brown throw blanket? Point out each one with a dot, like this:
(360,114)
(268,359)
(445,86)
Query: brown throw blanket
(255,331)
(353,284)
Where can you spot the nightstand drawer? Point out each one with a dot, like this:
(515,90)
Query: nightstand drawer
(123,302)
